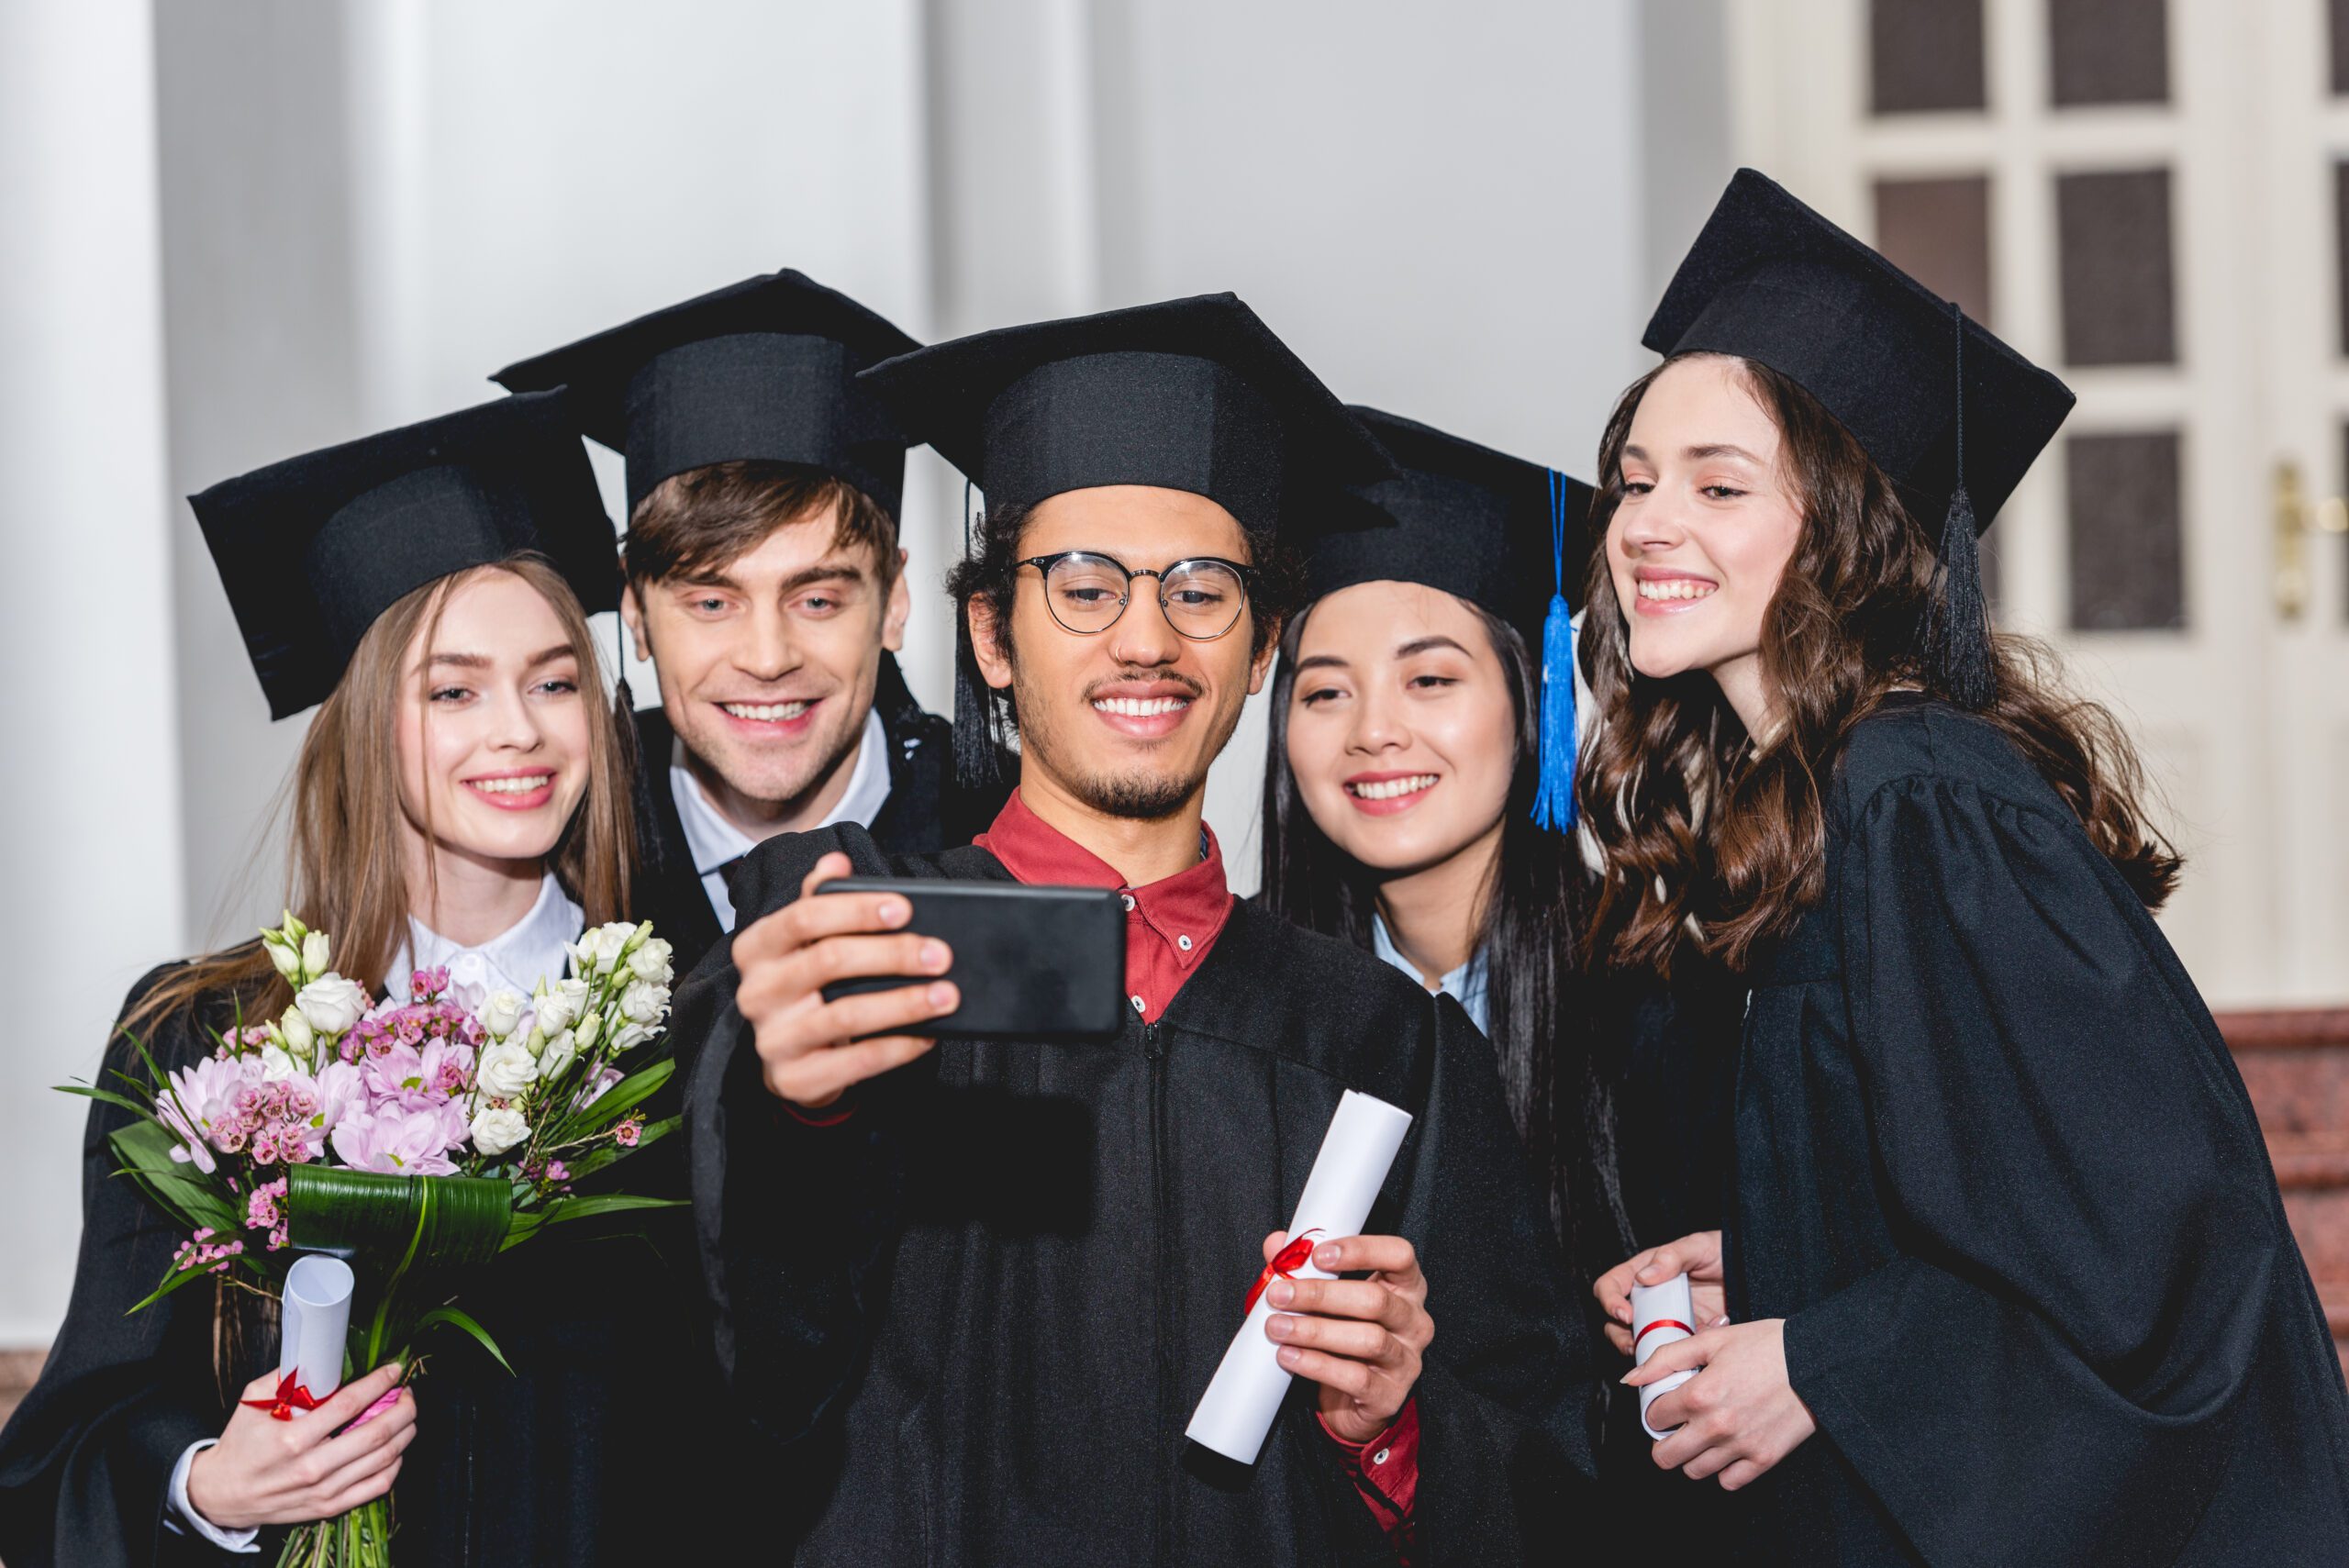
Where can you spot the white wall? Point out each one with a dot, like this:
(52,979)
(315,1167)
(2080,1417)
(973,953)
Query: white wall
(90,877)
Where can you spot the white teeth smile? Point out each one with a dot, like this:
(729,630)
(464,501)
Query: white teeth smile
(766,713)
(1387,789)
(1140,708)
(1676,588)
(522,786)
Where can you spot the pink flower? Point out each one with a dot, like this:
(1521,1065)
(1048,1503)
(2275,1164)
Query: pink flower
(262,1212)
(198,1105)
(558,1172)
(399,1142)
(628,1132)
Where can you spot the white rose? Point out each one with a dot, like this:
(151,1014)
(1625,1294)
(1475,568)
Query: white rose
(612,945)
(506,1068)
(558,1054)
(331,1004)
(644,1002)
(589,1029)
(294,1030)
(287,962)
(497,1128)
(502,1014)
(315,949)
(630,1036)
(275,1065)
(650,962)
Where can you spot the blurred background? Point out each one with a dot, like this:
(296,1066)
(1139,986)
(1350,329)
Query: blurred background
(237,229)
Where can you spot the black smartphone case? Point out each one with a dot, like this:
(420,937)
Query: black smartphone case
(1039,963)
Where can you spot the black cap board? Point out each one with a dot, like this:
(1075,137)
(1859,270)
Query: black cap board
(313,549)
(1500,532)
(1955,416)
(763,370)
(1461,517)
(1194,394)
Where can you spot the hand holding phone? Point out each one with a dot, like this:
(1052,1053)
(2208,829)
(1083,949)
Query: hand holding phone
(811,1048)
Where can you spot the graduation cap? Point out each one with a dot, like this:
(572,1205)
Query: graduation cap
(764,370)
(313,549)
(1194,394)
(1953,416)
(1502,533)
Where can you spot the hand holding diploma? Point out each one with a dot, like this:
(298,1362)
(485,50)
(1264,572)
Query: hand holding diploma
(267,1472)
(1697,1256)
(1740,1416)
(1359,1339)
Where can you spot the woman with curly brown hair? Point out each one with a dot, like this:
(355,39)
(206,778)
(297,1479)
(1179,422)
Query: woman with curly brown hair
(2007,1269)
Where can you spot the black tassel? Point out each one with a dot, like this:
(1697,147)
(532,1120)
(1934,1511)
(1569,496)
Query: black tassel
(639,789)
(977,760)
(1958,659)
(1957,628)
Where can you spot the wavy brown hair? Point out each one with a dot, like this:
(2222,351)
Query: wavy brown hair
(1705,836)
(344,872)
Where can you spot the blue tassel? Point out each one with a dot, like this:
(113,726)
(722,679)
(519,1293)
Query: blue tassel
(1554,794)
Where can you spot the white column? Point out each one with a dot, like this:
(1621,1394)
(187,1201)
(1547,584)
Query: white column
(91,881)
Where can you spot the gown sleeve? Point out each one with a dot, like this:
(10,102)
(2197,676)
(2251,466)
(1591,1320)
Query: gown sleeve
(785,1281)
(1506,1396)
(2087,1229)
(85,1464)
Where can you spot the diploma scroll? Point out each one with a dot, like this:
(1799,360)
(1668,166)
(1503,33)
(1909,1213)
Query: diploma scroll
(1245,1393)
(1661,1315)
(315,1317)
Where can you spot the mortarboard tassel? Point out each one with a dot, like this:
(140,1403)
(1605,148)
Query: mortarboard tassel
(1554,794)
(1958,658)
(976,761)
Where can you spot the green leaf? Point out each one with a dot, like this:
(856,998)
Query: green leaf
(618,1100)
(450,1315)
(416,1232)
(604,1203)
(175,1186)
(108,1096)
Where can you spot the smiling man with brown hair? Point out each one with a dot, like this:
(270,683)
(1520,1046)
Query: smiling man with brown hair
(764,581)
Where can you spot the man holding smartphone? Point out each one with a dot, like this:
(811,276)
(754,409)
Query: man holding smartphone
(976,1287)
(764,579)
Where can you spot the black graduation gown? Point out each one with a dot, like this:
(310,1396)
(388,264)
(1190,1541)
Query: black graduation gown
(1997,1172)
(529,1468)
(980,1311)
(926,810)
(1667,1051)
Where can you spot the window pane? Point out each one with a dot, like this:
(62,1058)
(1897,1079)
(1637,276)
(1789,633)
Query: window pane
(2127,540)
(2107,51)
(1925,55)
(1938,231)
(2113,228)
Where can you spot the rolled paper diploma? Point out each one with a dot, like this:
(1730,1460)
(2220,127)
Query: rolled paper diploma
(315,1317)
(1661,1315)
(1245,1393)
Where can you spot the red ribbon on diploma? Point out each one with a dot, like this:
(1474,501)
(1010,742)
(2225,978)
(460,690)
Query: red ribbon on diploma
(291,1397)
(1284,1262)
(1661,1323)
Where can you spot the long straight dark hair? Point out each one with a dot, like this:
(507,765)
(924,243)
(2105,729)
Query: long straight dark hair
(1558,1098)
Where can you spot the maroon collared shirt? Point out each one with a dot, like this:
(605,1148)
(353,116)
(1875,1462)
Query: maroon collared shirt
(1170,923)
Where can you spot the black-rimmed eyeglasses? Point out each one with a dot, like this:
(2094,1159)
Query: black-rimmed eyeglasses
(1086,592)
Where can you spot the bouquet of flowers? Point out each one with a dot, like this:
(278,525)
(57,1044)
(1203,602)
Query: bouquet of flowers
(414,1138)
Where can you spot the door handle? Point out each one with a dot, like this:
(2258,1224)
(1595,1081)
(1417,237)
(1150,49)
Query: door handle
(2296,522)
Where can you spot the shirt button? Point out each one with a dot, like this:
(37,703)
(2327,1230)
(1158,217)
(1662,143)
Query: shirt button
(1130,902)
(1380,1457)
(1136,1002)
(1183,942)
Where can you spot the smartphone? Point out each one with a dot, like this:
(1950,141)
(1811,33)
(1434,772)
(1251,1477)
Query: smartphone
(1041,963)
